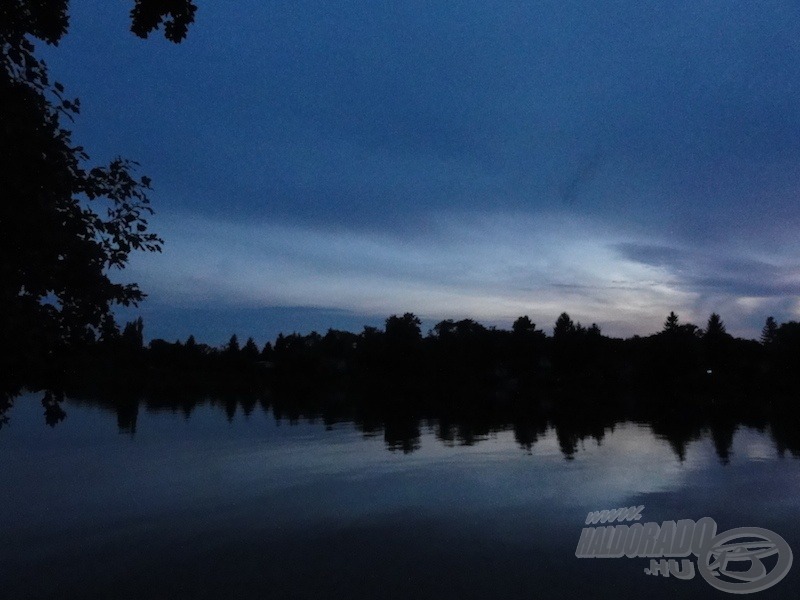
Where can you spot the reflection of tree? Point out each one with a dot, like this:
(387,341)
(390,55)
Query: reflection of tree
(127,415)
(722,436)
(230,408)
(567,442)
(248,405)
(678,429)
(401,432)
(528,429)
(572,429)
(470,433)
(572,419)
(472,380)
(785,430)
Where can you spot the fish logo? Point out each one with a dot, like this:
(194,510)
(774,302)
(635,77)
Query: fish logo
(733,560)
(744,560)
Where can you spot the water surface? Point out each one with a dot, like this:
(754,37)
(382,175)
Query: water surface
(247,505)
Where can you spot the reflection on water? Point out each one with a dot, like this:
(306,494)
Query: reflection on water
(229,499)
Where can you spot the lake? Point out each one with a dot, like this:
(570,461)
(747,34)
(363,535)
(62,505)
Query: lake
(237,503)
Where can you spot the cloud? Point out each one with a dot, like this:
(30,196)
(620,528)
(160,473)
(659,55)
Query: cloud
(725,279)
(490,267)
(364,116)
(717,272)
(480,159)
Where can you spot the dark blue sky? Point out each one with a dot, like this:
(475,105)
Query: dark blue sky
(325,164)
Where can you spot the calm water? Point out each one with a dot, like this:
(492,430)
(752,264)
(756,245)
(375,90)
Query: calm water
(251,507)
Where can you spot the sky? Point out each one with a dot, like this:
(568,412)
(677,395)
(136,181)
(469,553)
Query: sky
(328,164)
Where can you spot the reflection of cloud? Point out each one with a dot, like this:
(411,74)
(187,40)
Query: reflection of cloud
(654,468)
(495,472)
(753,445)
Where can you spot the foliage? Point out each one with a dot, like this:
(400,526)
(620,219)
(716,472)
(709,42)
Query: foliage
(563,327)
(770,332)
(64,223)
(671,324)
(523,325)
(176,15)
(715,327)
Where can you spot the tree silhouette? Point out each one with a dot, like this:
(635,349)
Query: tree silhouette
(402,343)
(524,348)
(671,324)
(716,342)
(63,222)
(250,350)
(523,325)
(770,332)
(563,327)
(787,348)
(715,327)
(232,347)
(565,347)
(132,335)
(403,330)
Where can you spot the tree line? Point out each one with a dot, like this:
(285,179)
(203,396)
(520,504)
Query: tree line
(65,222)
(68,222)
(468,379)
(461,354)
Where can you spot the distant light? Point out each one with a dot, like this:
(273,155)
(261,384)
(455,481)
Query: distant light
(709,371)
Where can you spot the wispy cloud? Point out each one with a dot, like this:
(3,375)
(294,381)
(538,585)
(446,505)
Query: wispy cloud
(617,160)
(724,278)
(711,272)
(490,267)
